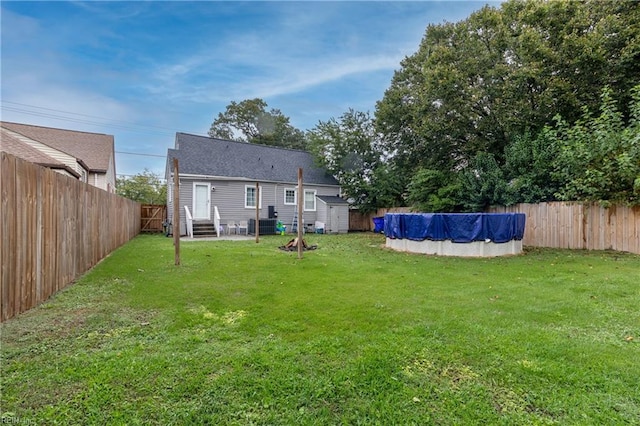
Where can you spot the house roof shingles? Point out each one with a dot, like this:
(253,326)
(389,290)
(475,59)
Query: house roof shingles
(332,199)
(202,155)
(25,151)
(94,149)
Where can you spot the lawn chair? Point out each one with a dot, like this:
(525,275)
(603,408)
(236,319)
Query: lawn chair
(232,224)
(243,225)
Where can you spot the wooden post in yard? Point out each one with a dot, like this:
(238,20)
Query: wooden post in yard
(257,212)
(176,211)
(300,210)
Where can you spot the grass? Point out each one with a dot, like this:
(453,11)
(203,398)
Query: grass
(242,333)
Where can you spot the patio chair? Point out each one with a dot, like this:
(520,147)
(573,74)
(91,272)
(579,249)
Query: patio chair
(243,225)
(232,224)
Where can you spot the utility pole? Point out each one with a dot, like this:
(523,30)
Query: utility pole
(176,211)
(257,212)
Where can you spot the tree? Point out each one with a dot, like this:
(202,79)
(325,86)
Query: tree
(482,183)
(249,121)
(387,188)
(529,168)
(434,191)
(476,85)
(145,188)
(346,148)
(598,158)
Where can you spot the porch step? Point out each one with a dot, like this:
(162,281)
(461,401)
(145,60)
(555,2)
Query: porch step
(204,229)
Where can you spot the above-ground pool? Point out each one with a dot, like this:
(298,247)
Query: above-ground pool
(455,234)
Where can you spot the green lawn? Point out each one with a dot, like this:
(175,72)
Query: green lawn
(243,333)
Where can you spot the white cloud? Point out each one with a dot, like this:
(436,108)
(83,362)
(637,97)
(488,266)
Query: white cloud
(288,50)
(267,72)
(126,10)
(58,105)
(310,75)
(176,64)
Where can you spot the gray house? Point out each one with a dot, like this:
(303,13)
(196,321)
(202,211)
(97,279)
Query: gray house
(218,187)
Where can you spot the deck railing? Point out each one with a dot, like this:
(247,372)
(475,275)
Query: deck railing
(189,219)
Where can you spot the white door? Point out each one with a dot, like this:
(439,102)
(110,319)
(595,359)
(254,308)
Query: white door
(201,201)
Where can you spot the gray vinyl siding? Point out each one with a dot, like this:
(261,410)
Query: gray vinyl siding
(229,197)
(186,199)
(286,212)
(324,212)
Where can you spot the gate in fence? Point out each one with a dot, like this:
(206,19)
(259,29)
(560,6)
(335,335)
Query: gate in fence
(152,217)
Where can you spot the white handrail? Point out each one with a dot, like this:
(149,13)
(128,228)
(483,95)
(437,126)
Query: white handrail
(216,220)
(189,221)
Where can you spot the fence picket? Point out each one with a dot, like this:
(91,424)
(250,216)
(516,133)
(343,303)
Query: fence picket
(53,229)
(582,225)
(558,225)
(8,202)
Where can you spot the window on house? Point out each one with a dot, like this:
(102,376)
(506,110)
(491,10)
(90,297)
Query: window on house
(250,197)
(290,197)
(310,200)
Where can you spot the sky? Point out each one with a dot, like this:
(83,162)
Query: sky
(142,71)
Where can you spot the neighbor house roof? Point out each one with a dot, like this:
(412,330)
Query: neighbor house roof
(202,155)
(25,151)
(94,149)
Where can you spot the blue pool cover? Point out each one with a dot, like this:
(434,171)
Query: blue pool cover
(457,227)
(378,224)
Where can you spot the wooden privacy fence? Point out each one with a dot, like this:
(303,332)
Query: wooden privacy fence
(54,228)
(579,226)
(364,221)
(557,225)
(152,217)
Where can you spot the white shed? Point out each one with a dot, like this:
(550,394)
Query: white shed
(334,213)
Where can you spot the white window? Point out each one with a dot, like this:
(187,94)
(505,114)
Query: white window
(310,200)
(290,197)
(250,197)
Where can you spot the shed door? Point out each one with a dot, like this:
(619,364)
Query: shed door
(334,219)
(201,201)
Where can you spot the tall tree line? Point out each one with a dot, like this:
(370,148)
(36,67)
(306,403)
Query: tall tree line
(495,108)
(532,101)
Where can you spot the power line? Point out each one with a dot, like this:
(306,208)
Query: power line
(85,115)
(104,121)
(125,175)
(83,121)
(139,153)
(57,114)
(73,117)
